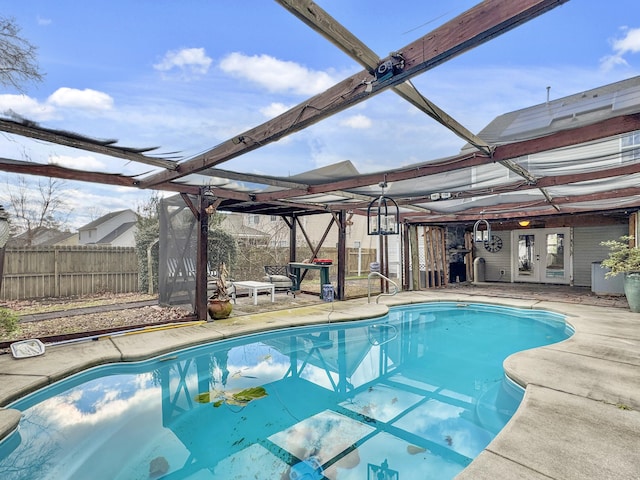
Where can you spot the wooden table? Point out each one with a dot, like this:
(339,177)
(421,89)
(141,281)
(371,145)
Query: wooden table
(298,267)
(254,288)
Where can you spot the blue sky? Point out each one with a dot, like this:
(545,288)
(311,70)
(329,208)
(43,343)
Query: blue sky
(187,75)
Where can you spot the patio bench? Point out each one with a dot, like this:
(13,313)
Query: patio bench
(281,277)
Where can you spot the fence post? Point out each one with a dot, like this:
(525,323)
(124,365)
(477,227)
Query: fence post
(56,273)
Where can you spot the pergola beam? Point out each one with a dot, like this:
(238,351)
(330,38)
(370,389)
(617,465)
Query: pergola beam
(470,29)
(604,129)
(68,139)
(327,26)
(56,171)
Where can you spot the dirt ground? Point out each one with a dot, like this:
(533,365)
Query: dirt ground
(56,317)
(128,313)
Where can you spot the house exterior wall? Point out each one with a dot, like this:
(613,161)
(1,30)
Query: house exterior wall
(93,235)
(497,262)
(587,249)
(87,236)
(70,241)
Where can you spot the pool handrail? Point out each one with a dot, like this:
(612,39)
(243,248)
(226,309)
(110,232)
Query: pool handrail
(378,274)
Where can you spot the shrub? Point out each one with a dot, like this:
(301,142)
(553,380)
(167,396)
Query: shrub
(8,321)
(623,258)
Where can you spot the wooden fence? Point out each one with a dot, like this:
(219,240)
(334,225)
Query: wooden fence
(67,271)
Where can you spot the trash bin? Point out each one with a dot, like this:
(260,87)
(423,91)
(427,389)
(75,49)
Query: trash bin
(327,292)
(478,270)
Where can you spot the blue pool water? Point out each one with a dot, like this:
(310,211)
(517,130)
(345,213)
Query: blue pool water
(420,392)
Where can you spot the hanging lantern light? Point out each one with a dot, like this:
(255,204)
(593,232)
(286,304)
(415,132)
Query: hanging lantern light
(383,215)
(481,235)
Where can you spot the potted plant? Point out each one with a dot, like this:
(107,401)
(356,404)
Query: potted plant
(624,258)
(220,305)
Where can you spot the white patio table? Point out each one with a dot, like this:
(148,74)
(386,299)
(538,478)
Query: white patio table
(254,288)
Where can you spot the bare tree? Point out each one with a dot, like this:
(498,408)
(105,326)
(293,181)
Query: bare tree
(18,63)
(95,212)
(36,205)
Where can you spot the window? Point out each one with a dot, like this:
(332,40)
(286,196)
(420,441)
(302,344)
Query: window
(630,147)
(274,218)
(253,219)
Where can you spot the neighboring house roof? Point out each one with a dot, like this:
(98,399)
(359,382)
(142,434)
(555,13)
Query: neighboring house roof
(233,224)
(40,236)
(103,219)
(118,232)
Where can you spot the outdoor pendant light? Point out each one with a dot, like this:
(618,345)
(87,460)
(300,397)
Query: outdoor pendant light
(481,235)
(383,215)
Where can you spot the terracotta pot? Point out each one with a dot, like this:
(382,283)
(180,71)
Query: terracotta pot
(219,309)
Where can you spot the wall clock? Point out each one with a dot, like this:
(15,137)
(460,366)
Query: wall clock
(493,245)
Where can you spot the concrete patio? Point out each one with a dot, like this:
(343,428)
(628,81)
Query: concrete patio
(580,417)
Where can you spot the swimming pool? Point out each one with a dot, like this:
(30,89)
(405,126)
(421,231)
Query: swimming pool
(420,392)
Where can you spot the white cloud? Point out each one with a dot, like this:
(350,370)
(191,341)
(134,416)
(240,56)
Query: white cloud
(84,99)
(83,162)
(274,109)
(357,121)
(276,75)
(629,43)
(188,60)
(26,107)
(43,21)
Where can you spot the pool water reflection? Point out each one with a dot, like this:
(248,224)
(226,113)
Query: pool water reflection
(420,392)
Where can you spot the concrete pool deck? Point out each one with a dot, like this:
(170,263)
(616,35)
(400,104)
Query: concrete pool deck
(580,417)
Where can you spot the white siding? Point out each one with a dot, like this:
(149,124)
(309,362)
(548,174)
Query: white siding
(587,249)
(495,262)
(110,225)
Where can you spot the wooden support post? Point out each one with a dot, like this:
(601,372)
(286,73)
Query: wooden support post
(415,257)
(428,253)
(201,260)
(468,258)
(404,256)
(342,254)
(445,257)
(292,239)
